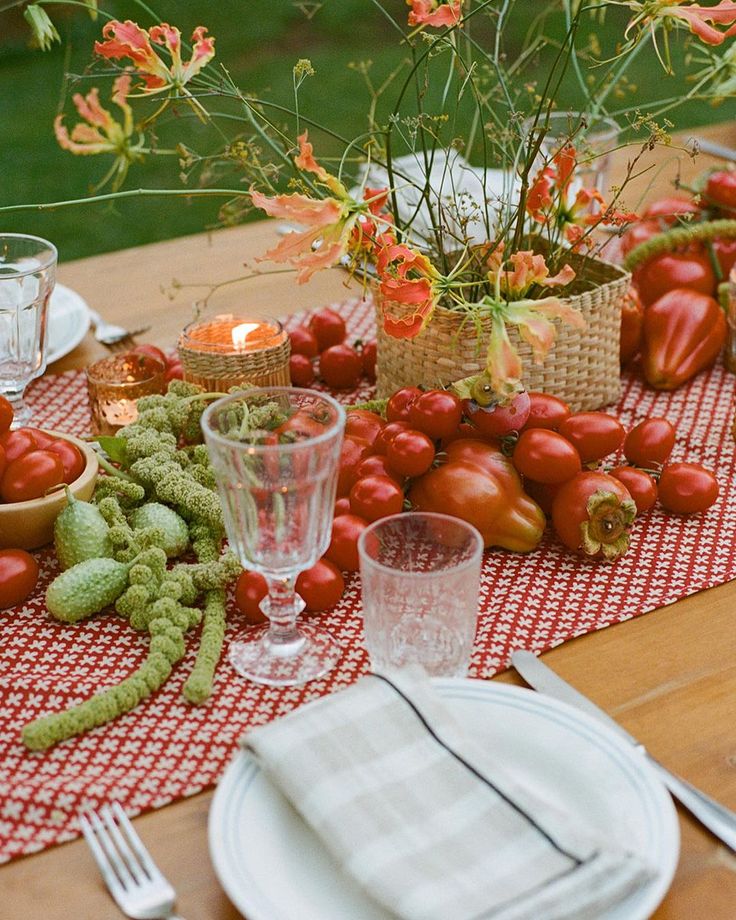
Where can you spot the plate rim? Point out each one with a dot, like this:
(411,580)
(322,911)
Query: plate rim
(248,902)
(75,339)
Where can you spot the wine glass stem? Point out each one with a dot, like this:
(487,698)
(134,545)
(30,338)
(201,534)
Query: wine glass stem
(21,412)
(282,605)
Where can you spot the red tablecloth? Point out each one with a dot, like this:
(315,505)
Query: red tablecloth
(166,749)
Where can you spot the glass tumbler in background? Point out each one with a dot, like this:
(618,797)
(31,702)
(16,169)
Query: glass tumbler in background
(421,575)
(27,278)
(114,384)
(278,498)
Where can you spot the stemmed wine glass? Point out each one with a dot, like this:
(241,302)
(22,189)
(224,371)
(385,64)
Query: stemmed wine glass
(278,494)
(27,277)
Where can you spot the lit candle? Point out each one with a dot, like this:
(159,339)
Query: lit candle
(114,384)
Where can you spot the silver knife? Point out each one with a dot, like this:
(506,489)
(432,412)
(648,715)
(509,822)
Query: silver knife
(719,820)
(714,149)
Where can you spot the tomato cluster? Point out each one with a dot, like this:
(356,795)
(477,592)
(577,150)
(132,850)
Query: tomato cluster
(322,342)
(174,370)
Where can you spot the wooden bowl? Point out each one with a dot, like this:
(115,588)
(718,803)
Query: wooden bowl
(28,525)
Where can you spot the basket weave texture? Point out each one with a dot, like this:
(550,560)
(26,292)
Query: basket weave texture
(218,372)
(582,367)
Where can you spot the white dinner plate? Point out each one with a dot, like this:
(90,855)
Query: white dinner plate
(273,867)
(68,322)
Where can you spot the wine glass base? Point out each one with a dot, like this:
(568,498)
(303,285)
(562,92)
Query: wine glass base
(312,655)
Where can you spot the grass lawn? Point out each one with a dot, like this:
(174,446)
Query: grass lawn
(258,41)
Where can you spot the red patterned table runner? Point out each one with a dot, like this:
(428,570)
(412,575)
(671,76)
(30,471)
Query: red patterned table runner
(166,749)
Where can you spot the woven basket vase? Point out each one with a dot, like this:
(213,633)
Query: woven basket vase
(582,367)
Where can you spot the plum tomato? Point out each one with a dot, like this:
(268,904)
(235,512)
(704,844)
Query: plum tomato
(343,548)
(72,459)
(545,456)
(364,424)
(546,411)
(436,413)
(174,371)
(18,442)
(18,576)
(498,420)
(691,269)
(369,355)
(328,328)
(340,366)
(303,342)
(650,442)
(687,488)
(250,589)
(592,513)
(320,587)
(410,453)
(301,371)
(376,497)
(720,189)
(594,434)
(351,453)
(399,403)
(632,325)
(31,476)
(376,465)
(43,439)
(6,415)
(642,487)
(380,445)
(342,506)
(152,351)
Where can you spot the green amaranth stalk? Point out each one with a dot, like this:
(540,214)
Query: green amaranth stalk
(678,238)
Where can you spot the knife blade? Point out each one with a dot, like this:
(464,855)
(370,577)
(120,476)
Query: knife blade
(719,820)
(714,149)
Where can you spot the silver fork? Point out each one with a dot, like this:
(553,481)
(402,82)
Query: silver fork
(134,880)
(114,337)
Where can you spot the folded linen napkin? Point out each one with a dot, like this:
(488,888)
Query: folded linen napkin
(425,820)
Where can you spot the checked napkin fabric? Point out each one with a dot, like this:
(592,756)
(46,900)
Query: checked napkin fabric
(429,823)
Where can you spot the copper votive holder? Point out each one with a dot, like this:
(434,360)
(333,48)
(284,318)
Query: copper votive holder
(228,350)
(114,385)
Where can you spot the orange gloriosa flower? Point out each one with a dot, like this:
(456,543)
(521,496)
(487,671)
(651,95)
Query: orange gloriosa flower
(409,279)
(437,13)
(701,20)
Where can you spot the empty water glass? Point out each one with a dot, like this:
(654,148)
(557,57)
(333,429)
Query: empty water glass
(27,277)
(420,575)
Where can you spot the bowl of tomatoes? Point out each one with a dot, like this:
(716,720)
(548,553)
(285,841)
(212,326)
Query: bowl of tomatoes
(35,466)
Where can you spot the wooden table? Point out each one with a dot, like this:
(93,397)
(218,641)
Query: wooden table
(669,677)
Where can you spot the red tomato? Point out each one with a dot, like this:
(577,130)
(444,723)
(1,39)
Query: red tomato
(376,497)
(327,327)
(639,233)
(364,424)
(72,459)
(725,252)
(691,269)
(342,506)
(42,439)
(18,442)
(667,210)
(650,442)
(543,493)
(250,589)
(304,342)
(641,486)
(463,432)
(496,421)
(320,587)
(152,351)
(594,434)
(306,423)
(3,461)
(369,355)
(343,548)
(340,366)
(687,488)
(399,403)
(380,445)
(301,371)
(174,371)
(593,513)
(410,453)
(31,476)
(437,413)
(632,324)
(6,415)
(376,465)
(18,576)
(546,411)
(545,456)
(720,189)
(351,453)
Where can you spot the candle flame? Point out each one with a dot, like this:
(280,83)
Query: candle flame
(240,333)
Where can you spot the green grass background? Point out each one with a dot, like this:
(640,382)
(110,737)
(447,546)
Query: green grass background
(258,41)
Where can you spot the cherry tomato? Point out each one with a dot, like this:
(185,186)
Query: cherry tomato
(380,445)
(687,488)
(546,411)
(301,371)
(174,371)
(304,342)
(72,459)
(545,456)
(594,434)
(496,421)
(31,476)
(399,403)
(351,453)
(6,415)
(364,424)
(376,465)
(376,497)
(250,589)
(152,351)
(306,423)
(320,587)
(437,413)
(340,366)
(725,252)
(650,442)
(410,453)
(342,506)
(3,461)
(327,327)
(632,325)
(720,189)
(18,442)
(369,355)
(343,548)
(593,512)
(691,269)
(18,576)
(641,486)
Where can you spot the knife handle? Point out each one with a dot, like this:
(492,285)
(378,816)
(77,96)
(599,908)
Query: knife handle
(719,820)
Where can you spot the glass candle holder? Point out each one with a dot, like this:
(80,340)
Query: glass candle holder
(227,350)
(114,384)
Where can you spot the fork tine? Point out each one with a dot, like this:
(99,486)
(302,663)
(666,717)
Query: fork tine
(136,843)
(108,874)
(105,841)
(123,849)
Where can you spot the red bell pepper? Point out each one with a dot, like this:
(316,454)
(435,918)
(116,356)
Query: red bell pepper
(690,269)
